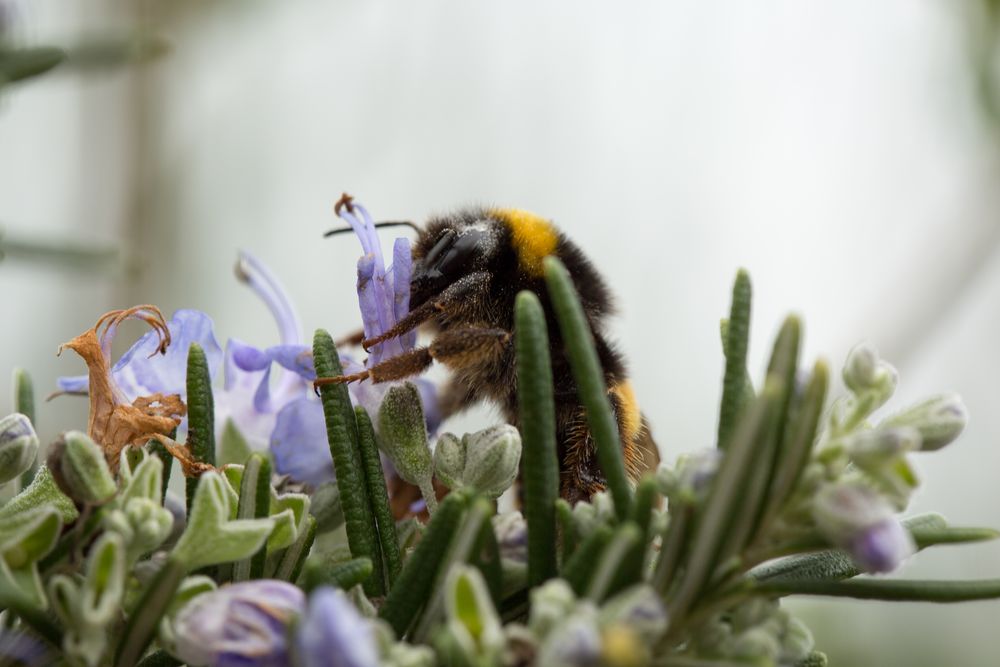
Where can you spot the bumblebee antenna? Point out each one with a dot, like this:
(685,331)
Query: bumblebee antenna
(387,223)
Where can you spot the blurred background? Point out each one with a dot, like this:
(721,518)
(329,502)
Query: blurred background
(845,152)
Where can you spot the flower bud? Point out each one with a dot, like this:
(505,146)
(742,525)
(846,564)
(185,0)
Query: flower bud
(639,608)
(333,632)
(79,468)
(512,536)
(449,460)
(939,420)
(755,644)
(864,371)
(858,520)
(550,604)
(689,480)
(492,458)
(18,446)
(244,623)
(486,461)
(576,640)
(404,434)
(143,524)
(796,642)
(875,448)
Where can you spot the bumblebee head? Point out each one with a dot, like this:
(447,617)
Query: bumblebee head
(448,250)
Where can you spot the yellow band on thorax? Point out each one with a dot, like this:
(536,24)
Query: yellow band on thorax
(533,237)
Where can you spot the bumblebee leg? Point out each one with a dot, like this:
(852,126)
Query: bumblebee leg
(455,348)
(398,367)
(454,294)
(352,339)
(459,348)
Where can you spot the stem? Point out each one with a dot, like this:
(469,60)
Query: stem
(429,495)
(147,613)
(910,590)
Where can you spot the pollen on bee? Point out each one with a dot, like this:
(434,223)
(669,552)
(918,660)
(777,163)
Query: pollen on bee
(533,237)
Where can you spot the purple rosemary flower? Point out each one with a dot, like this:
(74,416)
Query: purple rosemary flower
(333,634)
(298,441)
(512,536)
(384,295)
(248,397)
(859,520)
(882,546)
(141,371)
(240,625)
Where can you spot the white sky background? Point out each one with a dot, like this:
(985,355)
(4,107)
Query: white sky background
(832,148)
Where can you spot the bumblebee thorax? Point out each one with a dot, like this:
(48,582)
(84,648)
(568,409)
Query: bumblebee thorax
(532,237)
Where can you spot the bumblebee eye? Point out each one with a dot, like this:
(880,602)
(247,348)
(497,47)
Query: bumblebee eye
(443,243)
(459,254)
(443,264)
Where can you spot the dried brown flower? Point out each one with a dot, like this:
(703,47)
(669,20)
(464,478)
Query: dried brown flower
(114,422)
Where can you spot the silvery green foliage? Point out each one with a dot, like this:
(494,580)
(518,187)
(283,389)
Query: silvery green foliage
(485,461)
(685,567)
(403,437)
(18,446)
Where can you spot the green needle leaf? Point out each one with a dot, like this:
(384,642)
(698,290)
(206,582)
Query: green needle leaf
(737,342)
(255,503)
(799,442)
(894,590)
(378,496)
(343,575)
(589,377)
(627,536)
(415,581)
(714,519)
(18,64)
(201,414)
(462,550)
(578,569)
(539,460)
(294,557)
(768,446)
(831,564)
(342,432)
(158,449)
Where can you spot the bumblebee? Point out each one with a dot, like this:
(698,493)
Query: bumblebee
(468,268)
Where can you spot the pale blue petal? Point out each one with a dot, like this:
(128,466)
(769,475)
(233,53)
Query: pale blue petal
(74,384)
(247,357)
(299,443)
(296,358)
(402,270)
(167,373)
(333,634)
